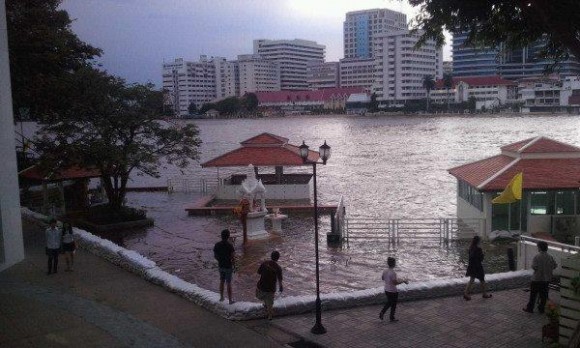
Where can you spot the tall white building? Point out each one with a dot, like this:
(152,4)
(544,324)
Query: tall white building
(323,75)
(362,30)
(227,78)
(190,82)
(257,74)
(400,67)
(357,73)
(292,57)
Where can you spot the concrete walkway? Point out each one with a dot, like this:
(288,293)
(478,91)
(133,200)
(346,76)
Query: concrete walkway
(101,305)
(443,322)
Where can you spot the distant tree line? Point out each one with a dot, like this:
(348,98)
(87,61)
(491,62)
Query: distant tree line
(229,106)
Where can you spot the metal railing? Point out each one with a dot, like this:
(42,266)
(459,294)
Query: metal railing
(397,230)
(527,249)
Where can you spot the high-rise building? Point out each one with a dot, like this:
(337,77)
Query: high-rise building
(227,78)
(448,67)
(357,73)
(509,64)
(401,67)
(292,57)
(361,30)
(257,74)
(322,75)
(190,82)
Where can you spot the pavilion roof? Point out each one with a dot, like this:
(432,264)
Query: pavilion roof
(547,164)
(70,173)
(263,150)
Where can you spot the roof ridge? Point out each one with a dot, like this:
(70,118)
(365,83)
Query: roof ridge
(530,143)
(499,172)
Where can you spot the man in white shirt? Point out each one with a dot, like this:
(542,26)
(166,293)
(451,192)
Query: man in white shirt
(391,282)
(53,239)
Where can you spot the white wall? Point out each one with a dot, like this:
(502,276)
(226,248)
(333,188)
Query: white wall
(539,223)
(11,245)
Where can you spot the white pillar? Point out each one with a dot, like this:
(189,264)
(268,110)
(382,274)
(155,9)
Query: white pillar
(11,245)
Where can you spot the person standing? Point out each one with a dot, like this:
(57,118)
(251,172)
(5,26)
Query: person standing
(543,266)
(391,282)
(269,272)
(68,246)
(53,238)
(224,253)
(475,269)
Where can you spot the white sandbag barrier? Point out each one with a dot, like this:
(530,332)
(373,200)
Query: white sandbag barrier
(138,264)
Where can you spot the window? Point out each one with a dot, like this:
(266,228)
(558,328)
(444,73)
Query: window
(470,194)
(540,203)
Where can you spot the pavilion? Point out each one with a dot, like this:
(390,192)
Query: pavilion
(551,182)
(270,151)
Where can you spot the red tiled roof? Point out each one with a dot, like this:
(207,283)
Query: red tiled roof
(478,81)
(262,150)
(552,165)
(320,95)
(74,172)
(539,145)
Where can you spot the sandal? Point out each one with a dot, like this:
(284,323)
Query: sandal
(486,296)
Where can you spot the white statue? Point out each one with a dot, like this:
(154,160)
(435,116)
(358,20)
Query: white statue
(251,189)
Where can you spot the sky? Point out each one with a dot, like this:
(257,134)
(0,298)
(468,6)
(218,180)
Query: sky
(137,36)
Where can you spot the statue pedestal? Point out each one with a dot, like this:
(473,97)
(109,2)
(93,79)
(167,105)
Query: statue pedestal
(276,221)
(255,223)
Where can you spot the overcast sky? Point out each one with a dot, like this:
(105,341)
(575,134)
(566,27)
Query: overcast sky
(138,35)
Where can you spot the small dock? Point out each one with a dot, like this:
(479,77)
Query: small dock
(205,206)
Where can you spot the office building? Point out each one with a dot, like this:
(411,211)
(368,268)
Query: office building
(357,73)
(227,78)
(323,75)
(257,74)
(292,57)
(401,67)
(362,28)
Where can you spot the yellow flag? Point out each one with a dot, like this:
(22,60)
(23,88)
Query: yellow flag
(512,192)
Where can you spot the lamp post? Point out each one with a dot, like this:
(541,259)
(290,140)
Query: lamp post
(324,156)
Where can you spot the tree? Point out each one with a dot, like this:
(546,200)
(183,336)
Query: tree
(206,107)
(472,103)
(228,106)
(192,108)
(250,101)
(114,127)
(447,83)
(374,104)
(428,84)
(513,23)
(43,50)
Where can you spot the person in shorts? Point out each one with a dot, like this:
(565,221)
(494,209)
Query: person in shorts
(68,246)
(269,272)
(224,253)
(53,239)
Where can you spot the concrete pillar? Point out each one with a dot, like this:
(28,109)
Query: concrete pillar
(11,245)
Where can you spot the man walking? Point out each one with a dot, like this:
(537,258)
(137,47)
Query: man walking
(543,266)
(224,253)
(269,272)
(53,238)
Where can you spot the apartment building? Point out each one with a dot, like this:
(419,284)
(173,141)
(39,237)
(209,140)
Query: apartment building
(488,91)
(357,73)
(401,67)
(227,78)
(190,82)
(292,57)
(257,74)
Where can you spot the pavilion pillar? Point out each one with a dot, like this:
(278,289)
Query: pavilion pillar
(62,199)
(44,198)
(256,171)
(279,174)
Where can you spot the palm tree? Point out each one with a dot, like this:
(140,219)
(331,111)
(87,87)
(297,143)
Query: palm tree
(428,84)
(447,83)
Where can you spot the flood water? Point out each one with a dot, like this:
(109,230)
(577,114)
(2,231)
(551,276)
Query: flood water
(387,167)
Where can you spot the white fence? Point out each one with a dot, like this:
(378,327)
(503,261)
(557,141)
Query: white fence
(185,184)
(527,249)
(395,230)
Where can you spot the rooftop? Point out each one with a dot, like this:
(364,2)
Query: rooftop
(36,173)
(320,95)
(478,81)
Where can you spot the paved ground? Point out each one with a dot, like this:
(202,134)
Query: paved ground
(101,305)
(444,322)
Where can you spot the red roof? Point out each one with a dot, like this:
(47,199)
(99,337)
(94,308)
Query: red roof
(71,173)
(320,95)
(478,81)
(265,149)
(547,164)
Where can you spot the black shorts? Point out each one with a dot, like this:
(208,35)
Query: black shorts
(68,247)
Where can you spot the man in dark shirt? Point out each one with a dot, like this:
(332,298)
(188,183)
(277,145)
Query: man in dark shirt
(269,272)
(224,254)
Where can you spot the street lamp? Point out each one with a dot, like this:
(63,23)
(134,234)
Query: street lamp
(324,156)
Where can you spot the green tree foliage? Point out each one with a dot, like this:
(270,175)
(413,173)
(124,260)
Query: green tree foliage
(428,84)
(514,23)
(447,83)
(192,108)
(472,103)
(229,106)
(43,51)
(250,101)
(114,127)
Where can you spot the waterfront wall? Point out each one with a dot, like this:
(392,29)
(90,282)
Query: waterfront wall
(148,269)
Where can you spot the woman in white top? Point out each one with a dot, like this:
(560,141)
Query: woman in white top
(68,246)
(391,282)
